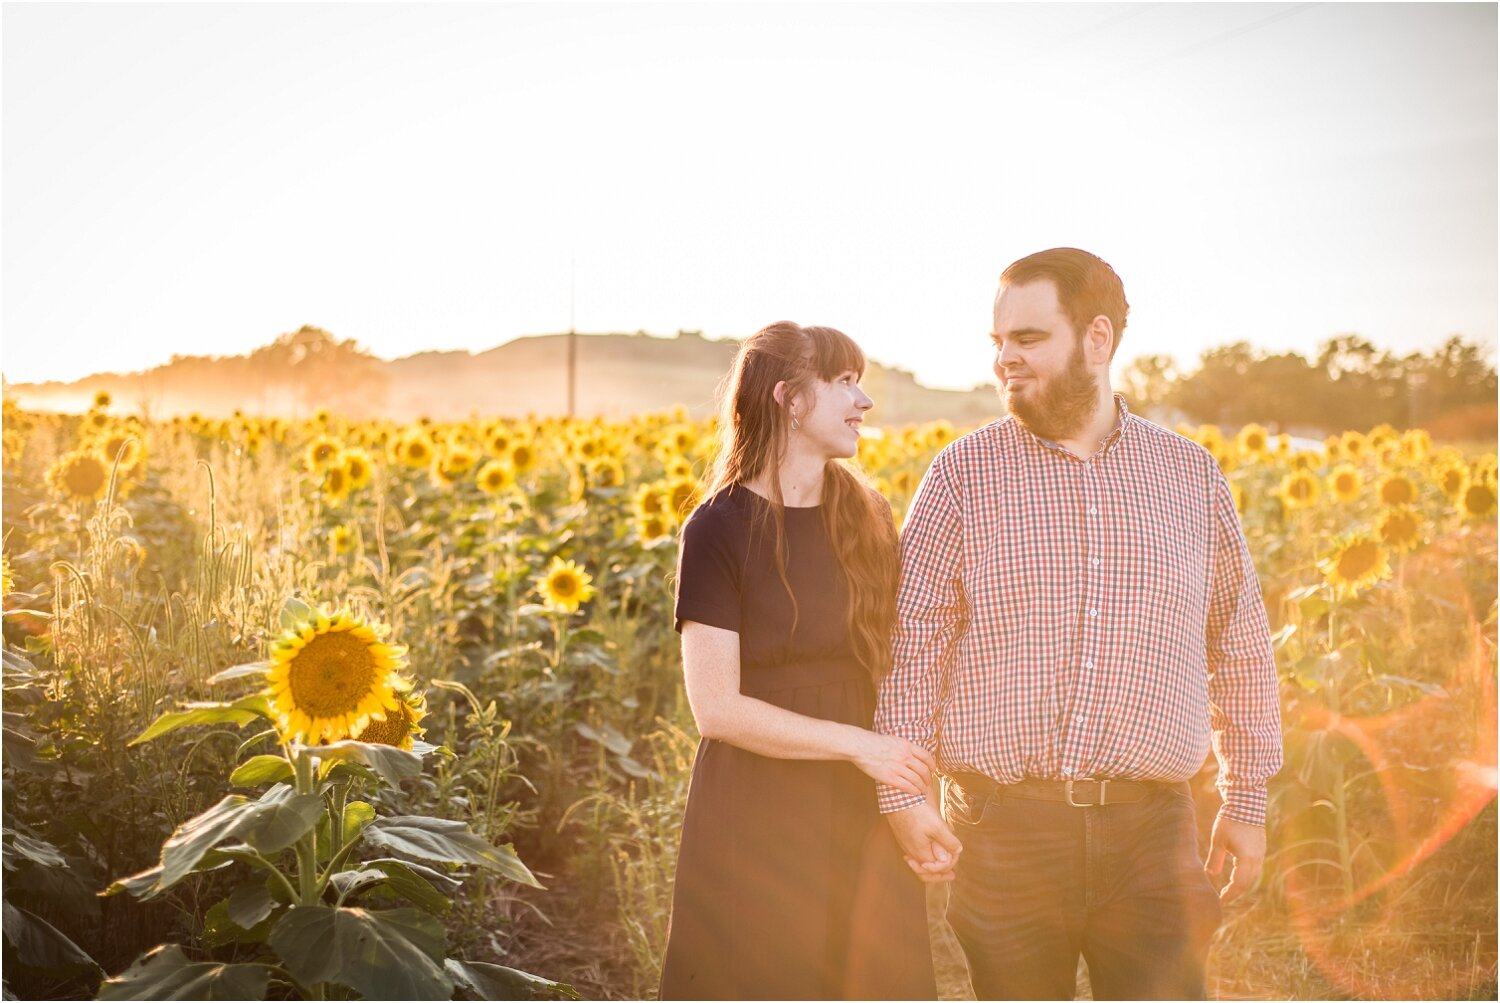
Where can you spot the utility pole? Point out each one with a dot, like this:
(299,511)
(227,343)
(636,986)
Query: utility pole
(572,334)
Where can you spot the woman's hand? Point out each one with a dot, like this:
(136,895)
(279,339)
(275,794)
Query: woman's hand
(895,762)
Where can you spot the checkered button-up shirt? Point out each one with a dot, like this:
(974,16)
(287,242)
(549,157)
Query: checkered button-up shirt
(1064,618)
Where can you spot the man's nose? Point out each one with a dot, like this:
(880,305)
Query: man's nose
(863,401)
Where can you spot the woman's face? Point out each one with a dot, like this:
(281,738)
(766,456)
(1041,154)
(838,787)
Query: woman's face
(830,413)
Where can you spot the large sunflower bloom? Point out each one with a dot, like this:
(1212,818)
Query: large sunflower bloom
(566,586)
(1356,565)
(332,676)
(1452,479)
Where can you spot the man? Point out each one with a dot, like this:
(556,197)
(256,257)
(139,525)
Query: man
(1079,621)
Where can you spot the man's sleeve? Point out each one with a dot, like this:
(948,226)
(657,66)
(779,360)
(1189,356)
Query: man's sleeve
(929,616)
(1243,702)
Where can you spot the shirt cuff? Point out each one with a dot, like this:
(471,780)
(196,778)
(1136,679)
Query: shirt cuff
(893,799)
(1243,803)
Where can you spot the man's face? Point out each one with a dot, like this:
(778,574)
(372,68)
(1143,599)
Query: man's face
(1045,382)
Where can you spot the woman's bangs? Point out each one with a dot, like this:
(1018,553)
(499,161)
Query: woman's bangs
(834,352)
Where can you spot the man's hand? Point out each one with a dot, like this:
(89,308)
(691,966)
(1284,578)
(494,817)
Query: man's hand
(1244,842)
(931,848)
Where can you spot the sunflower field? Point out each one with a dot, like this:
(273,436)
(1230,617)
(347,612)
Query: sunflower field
(327,709)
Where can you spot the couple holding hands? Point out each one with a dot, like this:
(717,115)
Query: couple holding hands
(1067,624)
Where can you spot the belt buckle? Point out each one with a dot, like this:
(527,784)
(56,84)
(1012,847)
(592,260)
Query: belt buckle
(1103,794)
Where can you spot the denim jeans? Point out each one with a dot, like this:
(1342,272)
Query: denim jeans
(1041,882)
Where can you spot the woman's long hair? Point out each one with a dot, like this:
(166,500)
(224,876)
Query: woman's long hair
(754,431)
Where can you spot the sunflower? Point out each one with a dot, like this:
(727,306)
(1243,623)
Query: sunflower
(451,465)
(336,485)
(679,467)
(357,466)
(1354,446)
(112,442)
(682,497)
(1298,489)
(649,500)
(565,586)
(1306,459)
(1401,528)
(322,452)
(1356,564)
(332,675)
(1397,489)
(1478,500)
(101,399)
(1452,479)
(1252,441)
(523,457)
(938,434)
(651,527)
(1416,445)
(1345,483)
(1237,490)
(495,477)
(399,727)
(497,443)
(79,474)
(606,472)
(1333,447)
(414,449)
(342,538)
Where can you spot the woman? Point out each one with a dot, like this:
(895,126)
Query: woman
(789,884)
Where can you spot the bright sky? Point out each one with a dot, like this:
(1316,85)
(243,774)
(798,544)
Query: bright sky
(194,178)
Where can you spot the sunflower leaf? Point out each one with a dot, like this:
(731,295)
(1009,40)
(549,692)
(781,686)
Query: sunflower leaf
(240,672)
(294,613)
(445,841)
(394,765)
(240,713)
(422,886)
(258,770)
(39,944)
(496,982)
(390,954)
(166,974)
(283,818)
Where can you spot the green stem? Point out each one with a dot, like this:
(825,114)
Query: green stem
(334,865)
(307,847)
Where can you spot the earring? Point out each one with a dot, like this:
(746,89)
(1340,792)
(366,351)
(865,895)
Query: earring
(796,425)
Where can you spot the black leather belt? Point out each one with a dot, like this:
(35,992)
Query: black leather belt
(1083,793)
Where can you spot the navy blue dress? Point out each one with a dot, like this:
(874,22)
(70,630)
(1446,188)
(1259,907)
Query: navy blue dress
(789,883)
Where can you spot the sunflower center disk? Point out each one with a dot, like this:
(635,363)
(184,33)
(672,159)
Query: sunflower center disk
(332,675)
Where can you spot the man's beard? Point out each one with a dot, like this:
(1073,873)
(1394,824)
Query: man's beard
(1058,407)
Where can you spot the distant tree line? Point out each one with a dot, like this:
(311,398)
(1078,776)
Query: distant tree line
(1349,384)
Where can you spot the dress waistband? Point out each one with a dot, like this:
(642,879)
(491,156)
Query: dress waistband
(795,675)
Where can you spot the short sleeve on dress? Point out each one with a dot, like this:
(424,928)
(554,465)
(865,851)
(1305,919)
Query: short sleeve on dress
(708,571)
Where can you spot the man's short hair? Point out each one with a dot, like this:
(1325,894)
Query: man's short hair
(1086,286)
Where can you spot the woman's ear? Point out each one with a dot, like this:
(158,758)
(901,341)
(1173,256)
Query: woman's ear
(779,392)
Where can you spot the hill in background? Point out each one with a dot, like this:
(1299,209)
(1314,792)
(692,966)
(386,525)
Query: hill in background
(618,375)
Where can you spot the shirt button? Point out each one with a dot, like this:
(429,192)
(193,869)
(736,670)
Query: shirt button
(1095,562)
(1093,510)
(1089,664)
(1093,612)
(1077,718)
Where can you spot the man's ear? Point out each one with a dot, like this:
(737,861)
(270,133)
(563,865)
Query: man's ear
(779,392)
(1099,340)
